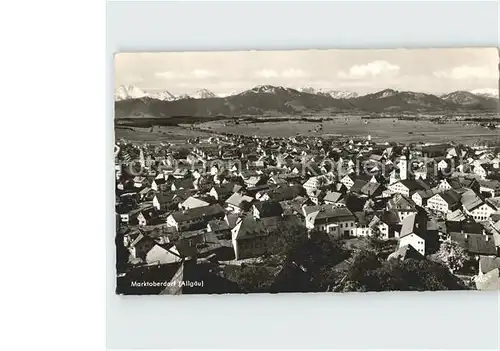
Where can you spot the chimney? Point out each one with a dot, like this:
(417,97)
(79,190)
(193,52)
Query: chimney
(487,238)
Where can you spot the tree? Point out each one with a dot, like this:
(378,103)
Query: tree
(298,261)
(254,278)
(368,273)
(452,255)
(363,261)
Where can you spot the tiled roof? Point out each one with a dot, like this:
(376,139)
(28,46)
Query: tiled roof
(207,211)
(475,243)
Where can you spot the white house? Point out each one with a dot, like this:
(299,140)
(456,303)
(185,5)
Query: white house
(444,202)
(378,225)
(420,197)
(480,171)
(407,186)
(238,202)
(187,219)
(336,221)
(412,235)
(481,212)
(442,165)
(316,182)
(476,207)
(402,206)
(348,181)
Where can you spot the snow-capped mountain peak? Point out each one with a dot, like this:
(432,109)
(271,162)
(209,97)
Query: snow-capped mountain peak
(388,93)
(487,92)
(203,94)
(267,89)
(163,95)
(336,94)
(309,90)
(125,92)
(342,94)
(270,89)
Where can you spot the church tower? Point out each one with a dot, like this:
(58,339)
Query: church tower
(403,167)
(141,158)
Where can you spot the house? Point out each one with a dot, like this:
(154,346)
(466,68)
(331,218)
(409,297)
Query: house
(224,190)
(445,184)
(182,184)
(168,200)
(140,246)
(402,206)
(238,202)
(158,184)
(424,171)
(145,194)
(362,227)
(337,222)
(488,281)
(147,217)
(254,181)
(408,186)
(139,181)
(445,202)
(348,181)
(489,188)
(421,197)
(483,170)
(475,244)
(443,165)
(413,233)
(220,228)
(283,193)
(194,218)
(364,187)
(295,206)
(475,206)
(193,202)
(455,216)
(318,182)
(252,237)
(487,264)
(163,254)
(379,226)
(332,197)
(263,209)
(488,277)
(316,196)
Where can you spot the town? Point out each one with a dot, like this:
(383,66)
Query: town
(240,213)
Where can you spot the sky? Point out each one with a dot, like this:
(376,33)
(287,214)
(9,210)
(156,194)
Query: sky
(361,71)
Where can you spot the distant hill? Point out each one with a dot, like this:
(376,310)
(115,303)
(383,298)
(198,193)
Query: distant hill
(465,98)
(278,100)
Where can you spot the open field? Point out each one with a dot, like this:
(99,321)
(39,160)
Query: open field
(158,134)
(380,129)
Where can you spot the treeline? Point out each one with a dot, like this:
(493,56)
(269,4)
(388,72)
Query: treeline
(142,122)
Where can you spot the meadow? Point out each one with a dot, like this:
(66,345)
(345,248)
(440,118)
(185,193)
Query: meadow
(380,129)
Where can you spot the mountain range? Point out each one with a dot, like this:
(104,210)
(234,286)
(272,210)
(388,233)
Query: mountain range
(127,92)
(277,100)
(336,94)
